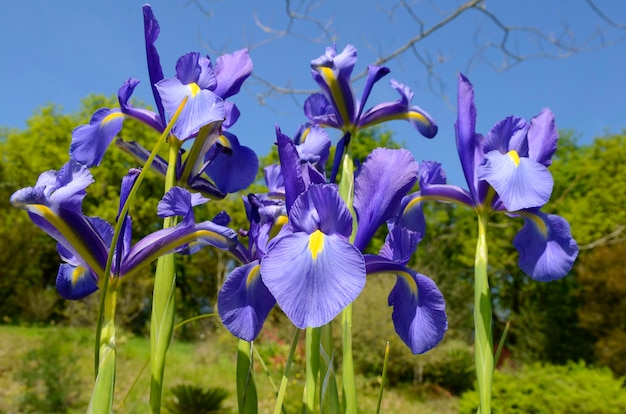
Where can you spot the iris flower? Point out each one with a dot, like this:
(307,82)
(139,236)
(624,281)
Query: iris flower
(337,107)
(206,87)
(313,271)
(55,205)
(506,172)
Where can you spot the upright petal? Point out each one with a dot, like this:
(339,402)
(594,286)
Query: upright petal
(466,137)
(155,71)
(547,250)
(321,208)
(542,137)
(244,302)
(378,189)
(290,167)
(231,71)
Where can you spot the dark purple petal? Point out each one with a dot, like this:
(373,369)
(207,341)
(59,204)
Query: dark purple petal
(90,142)
(321,207)
(151,33)
(547,250)
(374,74)
(244,302)
(290,167)
(233,170)
(520,182)
(542,137)
(178,202)
(141,155)
(75,282)
(202,108)
(149,118)
(466,137)
(231,71)
(384,178)
(231,114)
(324,274)
(400,244)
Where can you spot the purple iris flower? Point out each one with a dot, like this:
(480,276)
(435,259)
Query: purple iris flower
(206,87)
(326,272)
(55,205)
(337,107)
(506,171)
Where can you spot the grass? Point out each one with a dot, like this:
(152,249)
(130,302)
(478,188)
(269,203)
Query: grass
(208,363)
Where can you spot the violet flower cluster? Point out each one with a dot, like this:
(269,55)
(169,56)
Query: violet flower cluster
(305,247)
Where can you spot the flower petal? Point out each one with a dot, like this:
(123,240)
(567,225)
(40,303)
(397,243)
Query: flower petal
(467,141)
(547,250)
(90,142)
(321,207)
(155,71)
(378,189)
(324,275)
(244,302)
(233,170)
(231,71)
(542,137)
(520,182)
(75,282)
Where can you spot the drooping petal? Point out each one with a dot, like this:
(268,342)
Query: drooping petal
(400,110)
(418,316)
(90,142)
(141,155)
(547,250)
(203,106)
(175,239)
(231,71)
(75,282)
(244,302)
(235,169)
(542,137)
(384,178)
(419,309)
(324,274)
(520,182)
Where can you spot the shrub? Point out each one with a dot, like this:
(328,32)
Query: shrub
(573,388)
(193,399)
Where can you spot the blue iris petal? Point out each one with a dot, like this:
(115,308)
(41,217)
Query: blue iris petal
(244,302)
(547,250)
(313,280)
(520,182)
(75,282)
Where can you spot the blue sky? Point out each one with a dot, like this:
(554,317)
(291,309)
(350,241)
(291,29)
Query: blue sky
(62,51)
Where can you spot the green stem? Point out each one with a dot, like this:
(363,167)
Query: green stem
(384,377)
(103,391)
(285,380)
(346,190)
(312,349)
(247,398)
(482,318)
(163,298)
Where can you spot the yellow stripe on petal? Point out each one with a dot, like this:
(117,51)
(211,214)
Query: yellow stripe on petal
(408,278)
(514,157)
(335,90)
(194,89)
(110,117)
(316,243)
(253,274)
(77,274)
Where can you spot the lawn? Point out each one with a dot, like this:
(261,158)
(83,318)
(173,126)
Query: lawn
(64,356)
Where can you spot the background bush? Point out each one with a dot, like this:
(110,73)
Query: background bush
(569,389)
